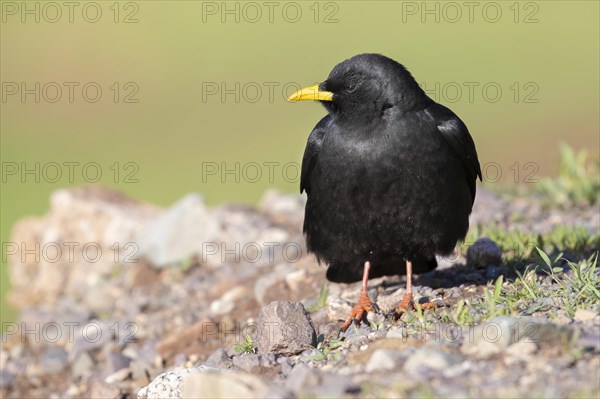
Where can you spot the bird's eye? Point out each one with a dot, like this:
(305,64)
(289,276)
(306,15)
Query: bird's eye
(351,87)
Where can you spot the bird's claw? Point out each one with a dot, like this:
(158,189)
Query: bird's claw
(408,304)
(363,306)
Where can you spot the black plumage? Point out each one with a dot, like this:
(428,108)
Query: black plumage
(389,173)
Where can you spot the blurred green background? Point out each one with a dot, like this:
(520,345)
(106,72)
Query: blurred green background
(543,56)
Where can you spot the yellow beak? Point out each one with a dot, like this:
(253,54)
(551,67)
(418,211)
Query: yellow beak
(311,93)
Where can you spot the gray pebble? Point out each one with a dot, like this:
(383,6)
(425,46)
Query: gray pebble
(6,379)
(249,362)
(429,358)
(54,360)
(83,365)
(284,328)
(383,359)
(484,252)
(219,359)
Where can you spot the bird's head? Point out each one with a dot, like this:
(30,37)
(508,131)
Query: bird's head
(363,88)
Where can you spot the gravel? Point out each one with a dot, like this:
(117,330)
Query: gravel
(172,323)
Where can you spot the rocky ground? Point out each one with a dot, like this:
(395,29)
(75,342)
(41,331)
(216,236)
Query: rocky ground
(119,298)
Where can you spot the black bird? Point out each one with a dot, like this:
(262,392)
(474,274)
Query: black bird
(389,174)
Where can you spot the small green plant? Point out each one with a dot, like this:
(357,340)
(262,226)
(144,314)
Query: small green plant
(180,268)
(461,315)
(377,325)
(326,347)
(475,310)
(492,303)
(571,290)
(321,300)
(578,180)
(246,347)
(419,322)
(578,240)
(517,245)
(580,287)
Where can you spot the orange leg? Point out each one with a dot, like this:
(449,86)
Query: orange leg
(407,303)
(364,303)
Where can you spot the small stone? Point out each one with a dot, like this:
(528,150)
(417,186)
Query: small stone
(494,336)
(3,358)
(304,381)
(357,334)
(17,351)
(286,365)
(83,365)
(429,358)
(118,376)
(142,274)
(54,360)
(302,377)
(268,360)
(146,354)
(295,279)
(169,384)
(102,390)
(87,340)
(249,362)
(521,350)
(275,202)
(332,386)
(139,370)
(268,280)
(458,369)
(484,252)
(590,341)
(284,328)
(376,335)
(179,360)
(115,361)
(388,301)
(562,318)
(278,392)
(232,351)
(6,379)
(491,337)
(383,359)
(178,233)
(338,309)
(310,354)
(235,294)
(220,384)
(585,315)
(179,341)
(74,391)
(454,292)
(396,333)
(218,359)
(376,320)
(220,307)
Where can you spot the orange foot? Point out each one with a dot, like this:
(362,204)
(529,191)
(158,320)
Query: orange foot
(364,305)
(407,303)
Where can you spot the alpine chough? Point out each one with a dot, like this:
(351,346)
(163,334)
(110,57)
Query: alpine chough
(389,175)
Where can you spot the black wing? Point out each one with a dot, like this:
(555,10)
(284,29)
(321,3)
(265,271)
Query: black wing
(456,134)
(313,146)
